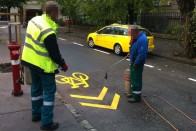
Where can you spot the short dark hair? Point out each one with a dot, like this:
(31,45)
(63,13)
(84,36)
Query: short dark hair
(135,28)
(50,6)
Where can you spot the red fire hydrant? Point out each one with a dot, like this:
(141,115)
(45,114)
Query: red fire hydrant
(15,61)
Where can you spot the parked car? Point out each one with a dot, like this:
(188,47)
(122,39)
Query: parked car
(115,37)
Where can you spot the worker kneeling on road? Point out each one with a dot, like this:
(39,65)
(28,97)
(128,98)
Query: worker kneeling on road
(138,54)
(41,55)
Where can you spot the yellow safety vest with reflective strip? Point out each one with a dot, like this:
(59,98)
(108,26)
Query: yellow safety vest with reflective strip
(34,51)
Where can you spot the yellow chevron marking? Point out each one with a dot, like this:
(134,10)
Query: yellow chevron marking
(113,106)
(100,97)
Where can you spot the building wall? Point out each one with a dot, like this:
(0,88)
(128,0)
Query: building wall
(168,6)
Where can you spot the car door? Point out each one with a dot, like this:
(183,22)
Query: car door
(123,39)
(103,36)
(112,37)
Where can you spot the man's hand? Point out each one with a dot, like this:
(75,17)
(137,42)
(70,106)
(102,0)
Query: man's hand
(135,65)
(64,67)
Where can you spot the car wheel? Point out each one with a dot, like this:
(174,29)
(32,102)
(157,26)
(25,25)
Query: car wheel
(91,43)
(117,49)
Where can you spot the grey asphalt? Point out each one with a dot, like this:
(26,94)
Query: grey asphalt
(167,79)
(164,48)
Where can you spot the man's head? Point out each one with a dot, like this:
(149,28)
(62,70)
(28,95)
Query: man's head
(51,8)
(133,31)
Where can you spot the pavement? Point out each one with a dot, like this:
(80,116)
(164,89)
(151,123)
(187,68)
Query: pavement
(15,112)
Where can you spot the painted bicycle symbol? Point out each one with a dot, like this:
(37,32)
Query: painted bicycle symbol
(75,81)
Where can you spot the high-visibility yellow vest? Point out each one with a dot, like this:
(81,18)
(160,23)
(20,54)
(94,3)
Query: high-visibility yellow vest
(34,51)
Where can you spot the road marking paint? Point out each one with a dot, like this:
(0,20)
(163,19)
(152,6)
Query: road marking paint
(159,69)
(75,81)
(113,106)
(149,66)
(61,39)
(100,97)
(128,59)
(77,44)
(102,51)
(192,79)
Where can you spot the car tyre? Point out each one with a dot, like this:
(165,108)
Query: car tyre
(117,49)
(91,43)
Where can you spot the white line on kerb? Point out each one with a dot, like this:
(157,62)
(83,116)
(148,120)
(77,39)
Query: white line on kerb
(77,44)
(3,27)
(102,51)
(192,79)
(149,66)
(61,39)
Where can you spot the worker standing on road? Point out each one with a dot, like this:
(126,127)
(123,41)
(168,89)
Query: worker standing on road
(138,53)
(41,54)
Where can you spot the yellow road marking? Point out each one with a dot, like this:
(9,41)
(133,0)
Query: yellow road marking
(113,106)
(76,80)
(100,97)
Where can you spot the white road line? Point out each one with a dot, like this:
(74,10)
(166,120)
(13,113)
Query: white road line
(102,51)
(3,27)
(149,66)
(192,79)
(77,44)
(144,64)
(61,39)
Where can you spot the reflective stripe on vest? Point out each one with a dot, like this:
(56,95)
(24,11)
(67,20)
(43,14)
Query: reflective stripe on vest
(43,33)
(35,41)
(34,51)
(37,52)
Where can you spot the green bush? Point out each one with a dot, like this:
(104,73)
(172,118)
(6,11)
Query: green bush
(60,22)
(174,30)
(192,33)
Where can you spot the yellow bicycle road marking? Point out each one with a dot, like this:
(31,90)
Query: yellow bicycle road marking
(76,80)
(113,106)
(100,97)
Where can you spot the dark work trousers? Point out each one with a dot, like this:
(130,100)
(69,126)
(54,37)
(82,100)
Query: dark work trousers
(136,80)
(43,90)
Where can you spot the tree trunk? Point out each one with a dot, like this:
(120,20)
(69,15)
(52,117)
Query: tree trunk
(187,43)
(186,8)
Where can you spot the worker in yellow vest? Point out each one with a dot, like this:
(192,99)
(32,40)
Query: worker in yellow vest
(41,55)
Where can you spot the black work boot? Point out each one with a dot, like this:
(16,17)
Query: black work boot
(129,95)
(132,100)
(36,119)
(51,127)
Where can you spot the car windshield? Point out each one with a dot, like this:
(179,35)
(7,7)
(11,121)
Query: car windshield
(146,32)
(106,30)
(114,31)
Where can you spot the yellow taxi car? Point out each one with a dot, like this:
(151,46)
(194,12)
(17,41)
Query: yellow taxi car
(115,37)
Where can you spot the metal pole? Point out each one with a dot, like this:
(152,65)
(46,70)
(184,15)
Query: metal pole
(15,28)
(10,33)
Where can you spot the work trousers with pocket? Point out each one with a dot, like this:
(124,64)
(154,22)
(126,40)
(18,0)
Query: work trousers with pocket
(43,90)
(136,81)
